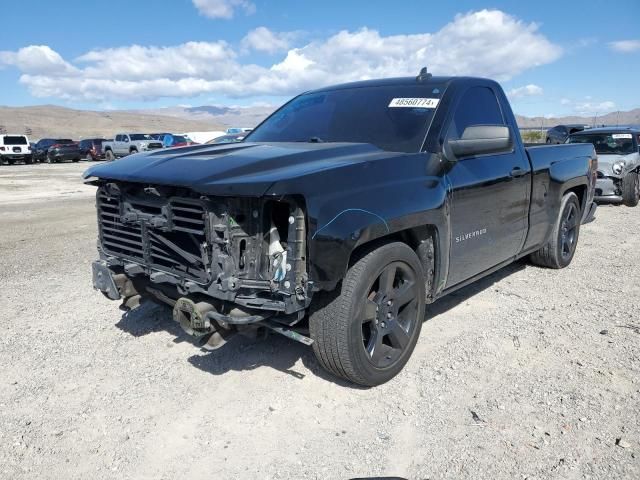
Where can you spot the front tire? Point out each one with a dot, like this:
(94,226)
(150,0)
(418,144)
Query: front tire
(630,189)
(559,250)
(109,156)
(366,331)
(88,158)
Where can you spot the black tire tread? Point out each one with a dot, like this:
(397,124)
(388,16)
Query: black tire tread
(329,319)
(629,197)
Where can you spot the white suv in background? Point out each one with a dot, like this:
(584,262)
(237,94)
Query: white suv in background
(14,148)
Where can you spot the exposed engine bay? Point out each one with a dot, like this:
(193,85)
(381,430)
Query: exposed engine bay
(217,260)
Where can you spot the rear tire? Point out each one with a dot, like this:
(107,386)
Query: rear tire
(366,330)
(630,189)
(559,250)
(76,160)
(109,156)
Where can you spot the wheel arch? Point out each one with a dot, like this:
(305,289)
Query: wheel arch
(581,193)
(424,240)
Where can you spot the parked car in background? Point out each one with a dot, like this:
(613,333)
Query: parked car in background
(203,137)
(63,150)
(560,133)
(157,136)
(42,147)
(235,138)
(91,149)
(234,130)
(129,143)
(618,162)
(172,140)
(14,148)
(351,207)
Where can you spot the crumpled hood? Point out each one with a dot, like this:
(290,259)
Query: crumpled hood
(606,162)
(234,169)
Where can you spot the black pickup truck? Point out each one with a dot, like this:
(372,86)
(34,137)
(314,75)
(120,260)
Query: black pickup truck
(340,217)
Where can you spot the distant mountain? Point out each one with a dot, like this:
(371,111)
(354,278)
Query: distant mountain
(631,117)
(222,115)
(251,116)
(52,121)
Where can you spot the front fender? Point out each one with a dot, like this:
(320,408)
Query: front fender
(351,206)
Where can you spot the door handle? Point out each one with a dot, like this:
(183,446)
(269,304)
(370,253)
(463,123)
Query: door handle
(518,172)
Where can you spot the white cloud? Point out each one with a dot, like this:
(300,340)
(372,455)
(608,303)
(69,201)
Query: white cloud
(485,43)
(38,59)
(530,90)
(223,8)
(589,108)
(264,40)
(625,46)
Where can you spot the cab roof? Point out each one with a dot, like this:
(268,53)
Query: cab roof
(404,81)
(624,129)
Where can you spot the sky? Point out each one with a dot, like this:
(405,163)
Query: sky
(552,58)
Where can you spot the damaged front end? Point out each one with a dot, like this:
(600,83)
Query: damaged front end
(223,263)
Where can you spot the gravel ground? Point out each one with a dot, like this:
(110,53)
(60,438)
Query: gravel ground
(530,373)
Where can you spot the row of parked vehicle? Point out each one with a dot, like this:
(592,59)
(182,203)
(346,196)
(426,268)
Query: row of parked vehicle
(17,148)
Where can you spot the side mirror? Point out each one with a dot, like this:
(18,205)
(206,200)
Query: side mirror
(482,140)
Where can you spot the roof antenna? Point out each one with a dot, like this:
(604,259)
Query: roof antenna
(423,75)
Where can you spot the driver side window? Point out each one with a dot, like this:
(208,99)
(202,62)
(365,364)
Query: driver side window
(478,106)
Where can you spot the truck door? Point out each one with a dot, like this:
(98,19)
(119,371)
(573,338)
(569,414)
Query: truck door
(117,143)
(124,145)
(489,193)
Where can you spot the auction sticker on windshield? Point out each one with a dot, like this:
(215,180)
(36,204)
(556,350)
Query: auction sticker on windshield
(414,102)
(616,136)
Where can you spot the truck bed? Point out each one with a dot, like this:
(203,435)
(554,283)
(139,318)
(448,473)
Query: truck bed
(553,168)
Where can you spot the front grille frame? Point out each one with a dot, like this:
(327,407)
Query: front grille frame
(157,247)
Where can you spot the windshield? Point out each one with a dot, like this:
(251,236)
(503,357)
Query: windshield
(394,117)
(140,136)
(63,141)
(607,143)
(180,139)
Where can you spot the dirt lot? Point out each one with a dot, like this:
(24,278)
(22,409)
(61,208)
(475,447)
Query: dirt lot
(530,373)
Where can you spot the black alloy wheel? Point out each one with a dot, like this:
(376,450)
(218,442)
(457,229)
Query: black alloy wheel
(366,329)
(390,314)
(561,246)
(569,231)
